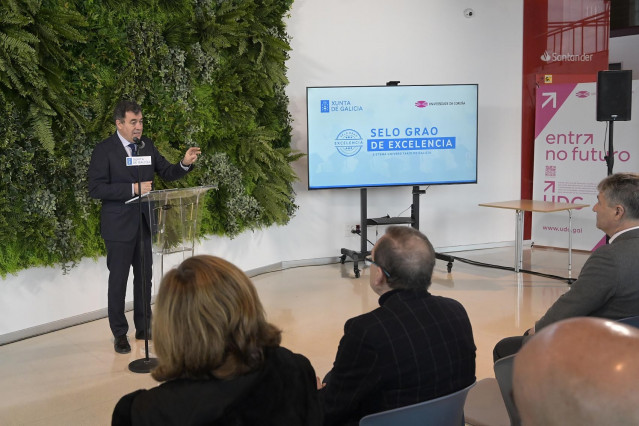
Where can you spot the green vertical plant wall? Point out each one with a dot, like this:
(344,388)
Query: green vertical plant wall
(208,73)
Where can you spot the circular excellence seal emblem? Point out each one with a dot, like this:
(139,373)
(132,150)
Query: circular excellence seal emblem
(348,142)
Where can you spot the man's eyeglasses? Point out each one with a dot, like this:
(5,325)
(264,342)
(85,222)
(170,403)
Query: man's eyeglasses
(371,261)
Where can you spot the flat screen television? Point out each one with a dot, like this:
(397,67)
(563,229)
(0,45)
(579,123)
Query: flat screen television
(368,136)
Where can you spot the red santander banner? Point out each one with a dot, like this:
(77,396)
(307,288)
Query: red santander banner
(561,37)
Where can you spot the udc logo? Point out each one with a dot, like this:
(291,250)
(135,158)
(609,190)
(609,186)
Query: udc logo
(348,142)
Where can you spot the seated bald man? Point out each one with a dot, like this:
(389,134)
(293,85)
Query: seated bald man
(580,371)
(607,284)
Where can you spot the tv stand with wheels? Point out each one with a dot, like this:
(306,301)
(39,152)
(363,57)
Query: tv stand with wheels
(413,220)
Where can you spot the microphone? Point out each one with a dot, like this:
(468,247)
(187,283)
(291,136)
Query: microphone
(138,142)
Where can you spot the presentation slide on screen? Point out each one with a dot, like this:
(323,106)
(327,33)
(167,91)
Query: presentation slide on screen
(391,135)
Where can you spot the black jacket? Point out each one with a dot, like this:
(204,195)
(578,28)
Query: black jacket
(110,180)
(283,392)
(413,348)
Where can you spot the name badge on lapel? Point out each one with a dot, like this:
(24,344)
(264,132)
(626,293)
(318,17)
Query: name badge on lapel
(138,161)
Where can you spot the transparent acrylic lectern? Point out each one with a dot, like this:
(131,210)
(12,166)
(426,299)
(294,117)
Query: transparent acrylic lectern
(175,219)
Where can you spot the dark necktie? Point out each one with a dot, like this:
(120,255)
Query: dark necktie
(134,149)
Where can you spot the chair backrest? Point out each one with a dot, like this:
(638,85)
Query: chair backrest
(504,375)
(633,321)
(447,410)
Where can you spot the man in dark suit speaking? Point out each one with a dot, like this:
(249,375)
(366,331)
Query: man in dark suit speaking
(414,347)
(111,181)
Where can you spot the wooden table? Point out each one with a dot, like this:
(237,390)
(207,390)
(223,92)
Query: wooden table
(521,206)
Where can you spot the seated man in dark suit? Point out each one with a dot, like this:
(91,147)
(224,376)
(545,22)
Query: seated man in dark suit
(414,347)
(579,372)
(607,285)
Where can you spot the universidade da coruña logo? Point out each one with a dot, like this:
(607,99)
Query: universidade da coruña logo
(348,142)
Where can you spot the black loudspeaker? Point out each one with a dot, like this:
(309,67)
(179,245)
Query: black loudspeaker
(614,95)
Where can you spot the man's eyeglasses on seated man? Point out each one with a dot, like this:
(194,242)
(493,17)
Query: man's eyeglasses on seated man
(371,261)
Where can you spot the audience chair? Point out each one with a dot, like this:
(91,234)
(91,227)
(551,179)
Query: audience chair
(633,321)
(504,375)
(447,410)
(484,405)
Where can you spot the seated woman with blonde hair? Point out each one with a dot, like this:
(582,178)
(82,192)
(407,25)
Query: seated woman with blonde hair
(220,361)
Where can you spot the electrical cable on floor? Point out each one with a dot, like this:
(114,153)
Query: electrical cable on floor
(505,268)
(510,268)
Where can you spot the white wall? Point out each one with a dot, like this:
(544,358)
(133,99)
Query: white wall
(354,42)
(626,50)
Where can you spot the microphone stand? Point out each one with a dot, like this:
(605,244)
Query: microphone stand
(146,364)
